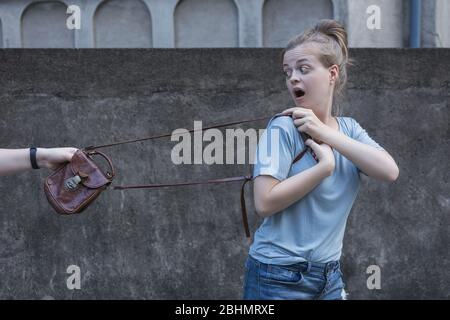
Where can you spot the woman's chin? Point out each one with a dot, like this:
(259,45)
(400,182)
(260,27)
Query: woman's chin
(300,103)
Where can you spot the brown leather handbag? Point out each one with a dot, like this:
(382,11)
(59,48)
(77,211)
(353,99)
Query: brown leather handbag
(75,185)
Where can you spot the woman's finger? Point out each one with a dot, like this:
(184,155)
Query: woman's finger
(289,111)
(299,122)
(311,143)
(293,109)
(302,120)
(300,112)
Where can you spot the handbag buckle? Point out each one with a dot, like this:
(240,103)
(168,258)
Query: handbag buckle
(72,183)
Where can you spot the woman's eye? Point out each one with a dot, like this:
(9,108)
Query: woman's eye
(287,73)
(303,70)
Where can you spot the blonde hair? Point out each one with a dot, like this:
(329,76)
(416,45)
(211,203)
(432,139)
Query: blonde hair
(333,50)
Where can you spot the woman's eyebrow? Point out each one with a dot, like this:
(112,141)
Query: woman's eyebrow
(297,62)
(302,60)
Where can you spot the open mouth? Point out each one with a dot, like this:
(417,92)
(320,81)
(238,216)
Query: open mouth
(299,92)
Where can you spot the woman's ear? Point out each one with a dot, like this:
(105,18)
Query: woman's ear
(334,73)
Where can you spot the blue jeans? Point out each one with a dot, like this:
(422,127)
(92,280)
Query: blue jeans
(300,281)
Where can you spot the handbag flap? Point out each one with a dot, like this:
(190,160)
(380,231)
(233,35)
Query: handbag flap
(90,173)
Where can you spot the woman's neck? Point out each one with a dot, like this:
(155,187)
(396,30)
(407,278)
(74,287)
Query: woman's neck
(324,115)
(327,119)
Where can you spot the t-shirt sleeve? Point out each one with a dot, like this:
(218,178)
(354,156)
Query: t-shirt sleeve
(361,135)
(276,148)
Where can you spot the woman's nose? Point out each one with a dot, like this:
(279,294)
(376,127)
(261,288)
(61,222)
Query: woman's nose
(294,78)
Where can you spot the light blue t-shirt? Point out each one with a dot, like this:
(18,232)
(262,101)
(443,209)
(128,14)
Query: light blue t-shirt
(311,229)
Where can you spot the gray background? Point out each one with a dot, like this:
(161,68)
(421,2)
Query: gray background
(189,242)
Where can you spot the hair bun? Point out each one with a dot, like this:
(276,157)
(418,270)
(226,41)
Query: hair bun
(335,30)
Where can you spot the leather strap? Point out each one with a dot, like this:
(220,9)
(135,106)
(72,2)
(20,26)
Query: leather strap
(215,181)
(162,185)
(109,174)
(171,134)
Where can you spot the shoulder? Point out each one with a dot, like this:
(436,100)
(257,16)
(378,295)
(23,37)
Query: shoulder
(285,123)
(285,127)
(349,126)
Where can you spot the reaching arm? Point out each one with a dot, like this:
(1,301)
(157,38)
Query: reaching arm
(18,160)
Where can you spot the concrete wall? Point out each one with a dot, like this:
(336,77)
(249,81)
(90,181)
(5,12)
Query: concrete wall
(189,242)
(123,24)
(442,33)
(1,35)
(44,25)
(213,23)
(394,30)
(218,28)
(283,19)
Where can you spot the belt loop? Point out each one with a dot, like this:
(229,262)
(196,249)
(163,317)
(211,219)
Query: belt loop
(308,267)
(331,267)
(328,268)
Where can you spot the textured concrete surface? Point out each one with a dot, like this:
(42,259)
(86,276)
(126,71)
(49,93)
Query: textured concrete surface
(189,242)
(206,23)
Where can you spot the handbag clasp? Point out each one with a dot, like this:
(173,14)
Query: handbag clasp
(72,183)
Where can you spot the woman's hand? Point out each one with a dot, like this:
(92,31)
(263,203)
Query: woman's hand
(306,121)
(324,153)
(52,158)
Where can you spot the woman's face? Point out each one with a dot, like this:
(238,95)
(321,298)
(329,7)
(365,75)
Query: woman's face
(307,80)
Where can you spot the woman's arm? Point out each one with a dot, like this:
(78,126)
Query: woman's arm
(18,160)
(375,163)
(370,160)
(272,196)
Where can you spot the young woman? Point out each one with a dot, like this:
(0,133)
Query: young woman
(296,250)
(18,160)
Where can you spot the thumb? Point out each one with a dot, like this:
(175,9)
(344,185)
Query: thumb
(71,153)
(310,143)
(314,146)
(68,153)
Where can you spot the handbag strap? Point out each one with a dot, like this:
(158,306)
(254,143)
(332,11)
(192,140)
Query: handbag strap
(172,134)
(112,172)
(216,181)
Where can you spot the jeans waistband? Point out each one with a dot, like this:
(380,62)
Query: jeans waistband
(305,266)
